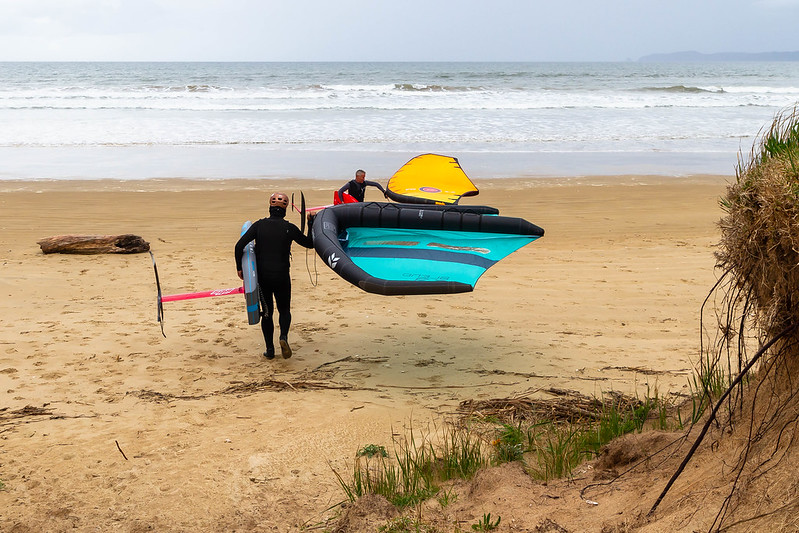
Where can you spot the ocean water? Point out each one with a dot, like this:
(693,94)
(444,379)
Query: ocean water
(324,120)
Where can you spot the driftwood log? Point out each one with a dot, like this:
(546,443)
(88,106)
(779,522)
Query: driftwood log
(94,244)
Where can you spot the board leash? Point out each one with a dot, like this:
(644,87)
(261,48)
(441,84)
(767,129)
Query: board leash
(314,280)
(312,277)
(303,210)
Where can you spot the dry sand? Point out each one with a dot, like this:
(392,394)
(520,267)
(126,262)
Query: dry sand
(129,431)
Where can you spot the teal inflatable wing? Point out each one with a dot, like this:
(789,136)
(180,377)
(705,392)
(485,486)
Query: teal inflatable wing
(395,249)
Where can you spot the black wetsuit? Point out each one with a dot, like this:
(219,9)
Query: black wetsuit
(273,237)
(357,190)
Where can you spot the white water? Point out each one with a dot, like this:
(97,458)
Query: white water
(322,120)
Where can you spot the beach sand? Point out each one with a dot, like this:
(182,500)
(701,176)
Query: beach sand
(108,426)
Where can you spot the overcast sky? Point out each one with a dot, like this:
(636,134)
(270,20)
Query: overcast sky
(396,30)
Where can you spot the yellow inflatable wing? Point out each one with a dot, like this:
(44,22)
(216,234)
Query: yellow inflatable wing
(430,179)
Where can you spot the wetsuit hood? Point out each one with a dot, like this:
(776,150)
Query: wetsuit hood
(277,211)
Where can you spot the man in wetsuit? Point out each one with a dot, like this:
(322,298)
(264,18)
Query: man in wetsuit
(273,237)
(357,187)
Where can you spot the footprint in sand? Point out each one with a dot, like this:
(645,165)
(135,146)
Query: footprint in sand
(10,371)
(435,379)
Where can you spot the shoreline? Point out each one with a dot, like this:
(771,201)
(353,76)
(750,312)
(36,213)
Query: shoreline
(199,184)
(282,162)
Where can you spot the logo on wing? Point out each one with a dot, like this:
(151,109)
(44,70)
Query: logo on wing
(332,261)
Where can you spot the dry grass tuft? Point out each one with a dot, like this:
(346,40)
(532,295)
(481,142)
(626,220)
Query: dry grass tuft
(760,232)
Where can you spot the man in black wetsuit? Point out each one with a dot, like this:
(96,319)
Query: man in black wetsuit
(357,187)
(273,237)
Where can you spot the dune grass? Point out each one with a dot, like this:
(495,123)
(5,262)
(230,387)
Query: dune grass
(555,449)
(415,469)
(548,448)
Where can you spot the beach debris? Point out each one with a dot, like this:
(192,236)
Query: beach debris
(567,405)
(27,411)
(120,450)
(9,419)
(94,244)
(243,388)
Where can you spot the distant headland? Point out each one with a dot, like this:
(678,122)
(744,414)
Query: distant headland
(721,56)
